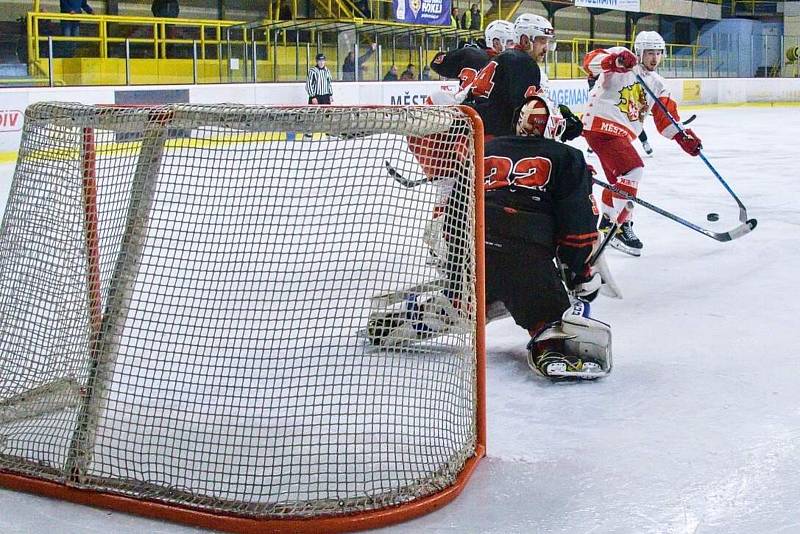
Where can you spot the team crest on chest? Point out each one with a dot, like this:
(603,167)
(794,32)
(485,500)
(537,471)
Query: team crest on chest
(633,102)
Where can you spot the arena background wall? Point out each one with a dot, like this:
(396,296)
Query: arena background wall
(574,93)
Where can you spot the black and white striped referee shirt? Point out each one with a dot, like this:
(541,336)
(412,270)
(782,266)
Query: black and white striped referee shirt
(319,82)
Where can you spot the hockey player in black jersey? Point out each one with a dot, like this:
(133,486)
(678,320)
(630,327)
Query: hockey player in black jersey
(503,85)
(465,63)
(539,207)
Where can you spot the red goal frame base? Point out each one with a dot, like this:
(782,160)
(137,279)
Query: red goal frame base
(245,525)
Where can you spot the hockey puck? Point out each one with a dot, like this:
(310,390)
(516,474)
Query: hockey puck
(712,217)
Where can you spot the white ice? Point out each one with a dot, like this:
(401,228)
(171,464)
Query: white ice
(697,430)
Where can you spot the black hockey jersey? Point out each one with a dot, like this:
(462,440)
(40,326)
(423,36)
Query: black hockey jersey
(464,63)
(540,191)
(500,87)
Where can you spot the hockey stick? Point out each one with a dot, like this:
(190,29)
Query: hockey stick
(742,210)
(689,120)
(737,232)
(402,180)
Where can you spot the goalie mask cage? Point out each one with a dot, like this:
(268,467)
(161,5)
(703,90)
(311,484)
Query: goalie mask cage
(184,292)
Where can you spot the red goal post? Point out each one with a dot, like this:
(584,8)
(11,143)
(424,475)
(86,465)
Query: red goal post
(182,293)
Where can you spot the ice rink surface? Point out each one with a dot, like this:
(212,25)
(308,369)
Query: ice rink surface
(697,430)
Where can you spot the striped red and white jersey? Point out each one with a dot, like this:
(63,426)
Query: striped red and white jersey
(618,104)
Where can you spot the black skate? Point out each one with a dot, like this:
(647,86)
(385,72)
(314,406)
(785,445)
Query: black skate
(626,241)
(605,224)
(647,148)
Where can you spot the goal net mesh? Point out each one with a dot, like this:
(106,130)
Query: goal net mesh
(184,299)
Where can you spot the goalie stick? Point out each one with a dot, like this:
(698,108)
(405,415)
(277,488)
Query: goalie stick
(751,223)
(730,235)
(402,180)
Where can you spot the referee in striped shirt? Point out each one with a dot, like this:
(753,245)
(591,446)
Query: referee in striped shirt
(318,84)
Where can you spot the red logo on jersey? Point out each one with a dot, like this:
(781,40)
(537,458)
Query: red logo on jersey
(533,91)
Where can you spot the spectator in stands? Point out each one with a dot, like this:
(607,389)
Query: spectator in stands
(391,76)
(426,73)
(455,19)
(472,19)
(285,10)
(349,65)
(363,6)
(169,9)
(408,74)
(71,28)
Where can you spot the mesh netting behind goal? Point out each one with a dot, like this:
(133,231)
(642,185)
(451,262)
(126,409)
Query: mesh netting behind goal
(185,300)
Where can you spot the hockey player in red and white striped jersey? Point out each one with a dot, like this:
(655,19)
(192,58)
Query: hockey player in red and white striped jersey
(618,105)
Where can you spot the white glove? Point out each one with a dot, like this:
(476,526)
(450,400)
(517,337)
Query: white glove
(587,289)
(442,98)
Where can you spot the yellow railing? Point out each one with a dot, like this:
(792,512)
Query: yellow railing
(209,51)
(581,46)
(106,26)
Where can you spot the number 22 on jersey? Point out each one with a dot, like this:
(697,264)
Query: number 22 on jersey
(531,173)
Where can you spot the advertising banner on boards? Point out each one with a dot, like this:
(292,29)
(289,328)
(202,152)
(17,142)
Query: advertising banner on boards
(436,12)
(619,5)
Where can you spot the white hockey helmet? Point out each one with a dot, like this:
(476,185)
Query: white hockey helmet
(502,30)
(648,40)
(533,26)
(539,117)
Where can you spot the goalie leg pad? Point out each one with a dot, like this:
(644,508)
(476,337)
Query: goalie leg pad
(418,317)
(576,347)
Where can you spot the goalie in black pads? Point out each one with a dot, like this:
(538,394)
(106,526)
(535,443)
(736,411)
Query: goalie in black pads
(539,207)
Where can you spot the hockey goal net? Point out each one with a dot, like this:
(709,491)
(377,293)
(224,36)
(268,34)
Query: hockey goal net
(184,299)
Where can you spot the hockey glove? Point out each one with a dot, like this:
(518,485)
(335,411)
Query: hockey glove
(441,98)
(574,126)
(586,285)
(624,61)
(689,142)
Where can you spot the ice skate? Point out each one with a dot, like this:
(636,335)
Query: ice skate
(605,224)
(647,148)
(625,240)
